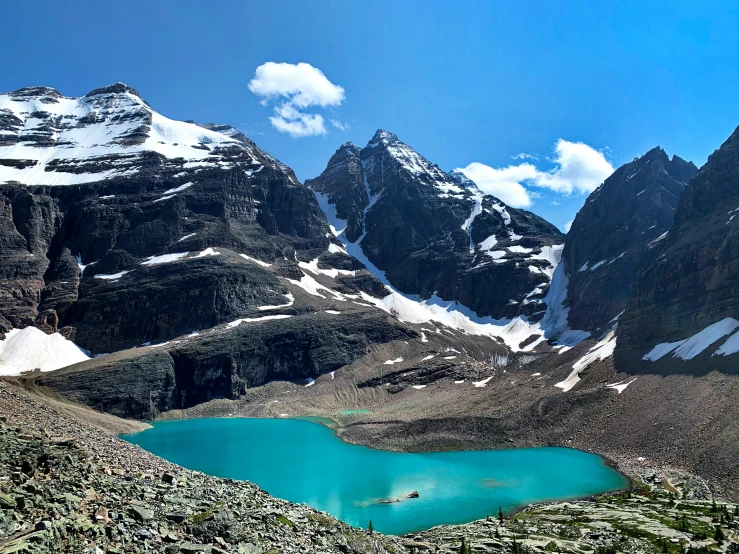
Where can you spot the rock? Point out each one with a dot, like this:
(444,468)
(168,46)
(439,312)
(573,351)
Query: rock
(611,239)
(169,479)
(142,513)
(101,514)
(692,284)
(413,494)
(421,232)
(190,548)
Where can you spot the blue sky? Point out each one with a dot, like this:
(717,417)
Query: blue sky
(461,82)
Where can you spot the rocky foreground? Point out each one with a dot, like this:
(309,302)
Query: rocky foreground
(67,485)
(83,490)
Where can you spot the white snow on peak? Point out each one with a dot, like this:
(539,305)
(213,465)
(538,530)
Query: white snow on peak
(488,243)
(691,347)
(91,128)
(30,348)
(411,161)
(334,249)
(414,309)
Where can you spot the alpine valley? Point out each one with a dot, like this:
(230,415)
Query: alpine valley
(161,269)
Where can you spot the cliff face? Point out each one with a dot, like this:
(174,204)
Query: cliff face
(613,237)
(144,382)
(434,233)
(120,226)
(693,283)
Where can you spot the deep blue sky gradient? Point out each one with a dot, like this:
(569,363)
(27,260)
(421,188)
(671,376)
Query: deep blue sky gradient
(458,81)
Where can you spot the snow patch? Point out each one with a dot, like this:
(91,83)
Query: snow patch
(30,348)
(395,361)
(602,350)
(238,322)
(164,258)
(111,277)
(254,260)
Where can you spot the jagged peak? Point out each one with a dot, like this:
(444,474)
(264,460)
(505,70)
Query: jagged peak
(35,91)
(382,136)
(115,88)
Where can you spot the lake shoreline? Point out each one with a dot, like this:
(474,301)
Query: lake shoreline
(520,475)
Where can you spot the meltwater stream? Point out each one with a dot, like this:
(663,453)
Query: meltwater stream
(302,461)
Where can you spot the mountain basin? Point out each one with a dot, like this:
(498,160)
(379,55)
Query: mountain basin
(302,461)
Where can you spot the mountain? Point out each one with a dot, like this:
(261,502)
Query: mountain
(685,307)
(435,234)
(134,235)
(613,237)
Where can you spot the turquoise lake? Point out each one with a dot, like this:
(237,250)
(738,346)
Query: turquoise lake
(302,461)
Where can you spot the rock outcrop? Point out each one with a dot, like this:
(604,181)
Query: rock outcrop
(144,382)
(613,237)
(123,226)
(693,283)
(434,233)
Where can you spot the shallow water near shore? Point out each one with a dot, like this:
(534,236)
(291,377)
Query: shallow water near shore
(303,461)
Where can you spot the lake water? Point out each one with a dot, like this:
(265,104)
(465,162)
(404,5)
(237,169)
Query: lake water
(303,461)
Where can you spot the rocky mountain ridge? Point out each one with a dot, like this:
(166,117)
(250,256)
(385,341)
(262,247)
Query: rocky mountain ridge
(612,238)
(434,234)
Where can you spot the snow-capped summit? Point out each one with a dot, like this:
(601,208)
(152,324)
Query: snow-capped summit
(50,139)
(435,233)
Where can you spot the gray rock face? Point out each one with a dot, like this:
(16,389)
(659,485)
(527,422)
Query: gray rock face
(693,282)
(77,255)
(436,233)
(144,382)
(612,238)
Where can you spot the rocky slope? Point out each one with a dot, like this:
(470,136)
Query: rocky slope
(687,303)
(434,234)
(83,490)
(613,237)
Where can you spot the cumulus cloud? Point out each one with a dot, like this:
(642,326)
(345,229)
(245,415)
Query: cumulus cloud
(503,183)
(297,87)
(578,169)
(339,125)
(568,226)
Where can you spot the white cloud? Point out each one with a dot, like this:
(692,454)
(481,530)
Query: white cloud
(302,86)
(523,156)
(568,226)
(503,183)
(339,125)
(297,124)
(578,169)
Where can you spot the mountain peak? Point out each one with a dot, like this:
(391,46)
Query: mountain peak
(35,91)
(115,88)
(382,136)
